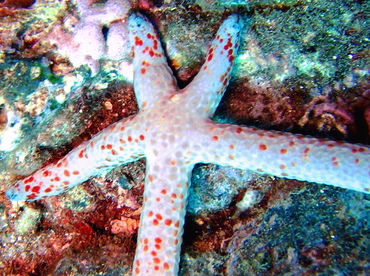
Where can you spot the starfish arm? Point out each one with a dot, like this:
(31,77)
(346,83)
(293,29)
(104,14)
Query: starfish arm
(116,144)
(152,76)
(162,217)
(208,87)
(290,156)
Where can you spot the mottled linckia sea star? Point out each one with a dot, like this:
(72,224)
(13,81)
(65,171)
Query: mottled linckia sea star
(173,131)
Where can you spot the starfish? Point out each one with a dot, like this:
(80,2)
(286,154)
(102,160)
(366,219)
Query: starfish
(174,131)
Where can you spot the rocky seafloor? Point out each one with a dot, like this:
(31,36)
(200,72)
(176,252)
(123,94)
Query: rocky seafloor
(303,67)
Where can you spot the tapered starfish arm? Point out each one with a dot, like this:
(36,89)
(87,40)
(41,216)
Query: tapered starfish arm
(162,217)
(206,93)
(290,156)
(120,143)
(153,78)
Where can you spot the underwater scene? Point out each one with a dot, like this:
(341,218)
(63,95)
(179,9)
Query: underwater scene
(192,137)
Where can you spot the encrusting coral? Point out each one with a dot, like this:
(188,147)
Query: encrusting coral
(85,42)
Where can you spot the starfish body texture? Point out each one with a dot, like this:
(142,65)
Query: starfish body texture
(174,131)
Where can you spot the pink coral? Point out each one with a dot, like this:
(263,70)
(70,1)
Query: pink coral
(84,43)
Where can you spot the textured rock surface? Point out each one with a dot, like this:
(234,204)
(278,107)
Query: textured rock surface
(78,238)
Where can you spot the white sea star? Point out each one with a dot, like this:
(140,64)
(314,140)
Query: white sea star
(173,131)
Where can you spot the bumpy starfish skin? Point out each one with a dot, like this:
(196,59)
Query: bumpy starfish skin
(173,130)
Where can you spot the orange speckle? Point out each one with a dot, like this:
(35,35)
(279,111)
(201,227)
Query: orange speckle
(146,248)
(46,173)
(167,222)
(137,270)
(150,214)
(47,190)
(109,146)
(173,163)
(173,195)
(76,172)
(81,153)
(66,173)
(306,151)
(35,189)
(293,164)
(354,150)
(283,151)
(262,147)
(114,152)
(283,167)
(159,216)
(156,260)
(239,130)
(215,138)
(361,149)
(163,191)
(231,146)
(153,253)
(158,199)
(166,266)
(57,178)
(231,157)
(155,222)
(157,246)
(29,180)
(158,240)
(102,147)
(141,137)
(335,161)
(150,177)
(143,71)
(138,41)
(27,188)
(177,224)
(31,196)
(291,144)
(129,139)
(146,241)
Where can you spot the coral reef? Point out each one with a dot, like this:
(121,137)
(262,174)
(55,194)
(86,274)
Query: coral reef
(297,51)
